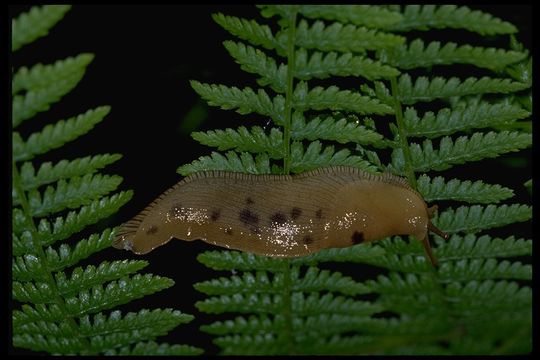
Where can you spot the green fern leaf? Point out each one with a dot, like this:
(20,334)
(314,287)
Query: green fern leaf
(248,303)
(53,136)
(81,279)
(70,72)
(230,162)
(496,296)
(433,189)
(43,76)
(152,348)
(64,169)
(248,30)
(333,98)
(262,344)
(245,101)
(321,65)
(367,15)
(324,280)
(480,269)
(255,61)
(425,17)
(236,260)
(252,325)
(463,149)
(242,139)
(329,128)
(35,24)
(416,54)
(474,116)
(258,282)
(438,87)
(471,246)
(339,37)
(314,157)
(475,218)
(75,221)
(115,293)
(71,195)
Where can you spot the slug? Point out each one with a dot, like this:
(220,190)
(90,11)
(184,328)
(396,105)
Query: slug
(282,215)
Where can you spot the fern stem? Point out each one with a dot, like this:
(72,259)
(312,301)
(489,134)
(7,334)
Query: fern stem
(287,305)
(289,92)
(38,249)
(409,170)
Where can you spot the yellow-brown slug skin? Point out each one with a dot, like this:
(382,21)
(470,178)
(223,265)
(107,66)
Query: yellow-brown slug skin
(280,215)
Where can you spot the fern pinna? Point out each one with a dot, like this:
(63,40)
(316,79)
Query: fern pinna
(59,305)
(426,123)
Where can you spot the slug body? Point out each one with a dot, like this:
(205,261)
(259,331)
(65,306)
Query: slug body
(281,215)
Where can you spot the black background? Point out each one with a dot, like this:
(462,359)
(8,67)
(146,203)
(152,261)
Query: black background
(144,59)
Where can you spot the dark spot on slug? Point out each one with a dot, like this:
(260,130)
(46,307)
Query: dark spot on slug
(318,214)
(295,213)
(248,217)
(357,237)
(152,230)
(278,218)
(249,201)
(307,240)
(228,231)
(215,215)
(175,210)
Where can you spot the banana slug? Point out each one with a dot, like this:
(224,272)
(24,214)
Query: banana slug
(282,215)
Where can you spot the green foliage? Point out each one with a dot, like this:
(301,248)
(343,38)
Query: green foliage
(293,306)
(59,306)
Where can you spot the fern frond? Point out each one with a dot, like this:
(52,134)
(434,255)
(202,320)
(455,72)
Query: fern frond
(35,24)
(64,169)
(314,157)
(481,269)
(438,87)
(258,282)
(433,189)
(248,303)
(358,253)
(53,136)
(153,348)
(330,128)
(71,195)
(81,279)
(263,344)
(462,118)
(230,162)
(416,54)
(254,140)
(425,17)
(28,267)
(316,280)
(244,101)
(463,149)
(489,294)
(471,246)
(241,325)
(115,293)
(255,61)
(340,37)
(321,65)
(43,76)
(38,100)
(475,218)
(368,15)
(236,260)
(333,98)
(248,30)
(63,227)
